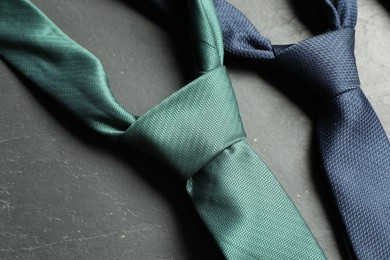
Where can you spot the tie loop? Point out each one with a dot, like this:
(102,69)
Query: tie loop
(242,39)
(340,13)
(196,130)
(326,63)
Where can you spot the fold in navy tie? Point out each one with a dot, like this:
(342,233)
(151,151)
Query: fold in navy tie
(354,149)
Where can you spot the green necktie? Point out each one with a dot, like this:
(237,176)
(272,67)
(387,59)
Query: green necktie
(197,130)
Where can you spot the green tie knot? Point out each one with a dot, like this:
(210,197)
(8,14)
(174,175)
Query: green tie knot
(192,126)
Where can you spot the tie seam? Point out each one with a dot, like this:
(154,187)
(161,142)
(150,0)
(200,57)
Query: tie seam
(303,42)
(338,94)
(213,32)
(216,154)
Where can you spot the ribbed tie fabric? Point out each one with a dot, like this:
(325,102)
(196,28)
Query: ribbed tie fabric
(197,130)
(353,146)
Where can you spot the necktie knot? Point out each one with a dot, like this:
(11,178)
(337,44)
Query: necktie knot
(198,121)
(325,63)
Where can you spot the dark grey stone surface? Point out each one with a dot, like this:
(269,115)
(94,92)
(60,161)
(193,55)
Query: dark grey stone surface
(66,193)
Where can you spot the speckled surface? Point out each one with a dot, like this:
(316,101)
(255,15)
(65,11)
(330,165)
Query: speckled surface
(67,194)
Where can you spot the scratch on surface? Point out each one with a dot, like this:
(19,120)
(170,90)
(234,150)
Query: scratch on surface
(131,212)
(50,218)
(106,194)
(7,250)
(122,234)
(5,200)
(4,189)
(6,203)
(10,139)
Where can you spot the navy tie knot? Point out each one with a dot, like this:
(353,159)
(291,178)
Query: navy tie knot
(326,63)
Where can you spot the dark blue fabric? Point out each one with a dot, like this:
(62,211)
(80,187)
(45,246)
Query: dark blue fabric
(354,148)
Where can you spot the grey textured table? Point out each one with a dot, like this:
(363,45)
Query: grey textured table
(65,193)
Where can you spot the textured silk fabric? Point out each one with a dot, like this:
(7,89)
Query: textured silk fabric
(354,148)
(197,130)
(31,43)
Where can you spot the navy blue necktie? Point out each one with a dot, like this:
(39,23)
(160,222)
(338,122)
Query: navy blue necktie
(353,146)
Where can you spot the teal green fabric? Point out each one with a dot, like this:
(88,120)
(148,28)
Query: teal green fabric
(197,130)
(75,78)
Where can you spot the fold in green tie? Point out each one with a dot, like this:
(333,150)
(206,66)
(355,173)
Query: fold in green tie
(197,130)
